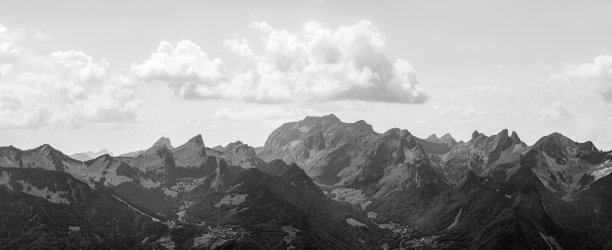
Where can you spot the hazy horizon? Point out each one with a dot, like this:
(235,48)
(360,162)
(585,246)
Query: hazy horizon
(117,76)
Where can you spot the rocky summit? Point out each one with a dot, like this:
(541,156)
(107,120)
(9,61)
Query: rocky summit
(318,183)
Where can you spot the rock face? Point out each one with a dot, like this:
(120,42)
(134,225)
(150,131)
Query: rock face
(362,167)
(566,167)
(238,154)
(347,154)
(482,155)
(438,146)
(303,141)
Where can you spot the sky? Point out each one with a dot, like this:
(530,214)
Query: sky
(117,75)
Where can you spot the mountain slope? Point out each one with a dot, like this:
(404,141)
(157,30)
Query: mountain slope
(52,210)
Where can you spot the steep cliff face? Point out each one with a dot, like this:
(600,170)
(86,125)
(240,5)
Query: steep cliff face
(482,154)
(192,154)
(237,154)
(346,154)
(302,141)
(565,166)
(437,146)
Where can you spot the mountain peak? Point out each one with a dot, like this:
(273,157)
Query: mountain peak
(362,125)
(331,118)
(515,138)
(163,141)
(46,148)
(476,135)
(555,138)
(432,136)
(196,140)
(448,137)
(503,132)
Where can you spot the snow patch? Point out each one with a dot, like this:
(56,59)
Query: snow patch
(232,199)
(600,173)
(355,223)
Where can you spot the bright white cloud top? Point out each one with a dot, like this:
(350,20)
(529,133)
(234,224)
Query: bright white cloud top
(315,64)
(594,76)
(63,88)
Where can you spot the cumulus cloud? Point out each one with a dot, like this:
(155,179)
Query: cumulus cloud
(62,88)
(315,64)
(9,48)
(596,76)
(185,67)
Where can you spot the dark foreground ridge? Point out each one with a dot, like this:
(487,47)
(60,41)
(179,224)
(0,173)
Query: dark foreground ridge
(318,183)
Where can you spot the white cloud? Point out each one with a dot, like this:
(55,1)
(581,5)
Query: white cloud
(63,88)
(185,67)
(596,76)
(316,64)
(9,48)
(556,111)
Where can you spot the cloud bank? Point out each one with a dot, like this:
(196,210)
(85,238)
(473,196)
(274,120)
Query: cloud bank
(275,66)
(64,87)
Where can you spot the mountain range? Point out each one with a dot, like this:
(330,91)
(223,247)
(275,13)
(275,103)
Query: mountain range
(86,156)
(318,183)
